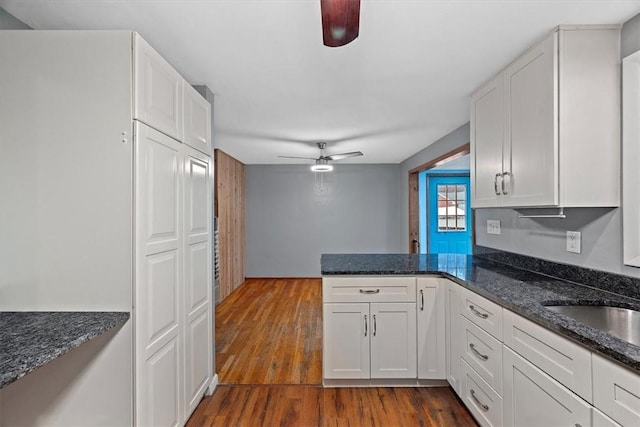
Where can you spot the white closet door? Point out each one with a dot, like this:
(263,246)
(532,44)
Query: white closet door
(157,91)
(158,298)
(198,277)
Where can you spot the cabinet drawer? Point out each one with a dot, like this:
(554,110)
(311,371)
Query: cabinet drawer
(616,391)
(369,289)
(601,420)
(483,353)
(567,362)
(483,402)
(482,312)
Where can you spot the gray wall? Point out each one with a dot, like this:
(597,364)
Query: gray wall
(601,228)
(291,219)
(10,22)
(442,146)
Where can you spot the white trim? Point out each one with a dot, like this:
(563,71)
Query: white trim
(212,386)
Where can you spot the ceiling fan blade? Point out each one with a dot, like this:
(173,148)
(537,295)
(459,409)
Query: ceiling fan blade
(295,157)
(340,21)
(344,155)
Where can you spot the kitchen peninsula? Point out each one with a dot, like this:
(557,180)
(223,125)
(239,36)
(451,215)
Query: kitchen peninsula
(501,340)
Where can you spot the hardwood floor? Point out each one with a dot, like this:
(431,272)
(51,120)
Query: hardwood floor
(269,331)
(268,359)
(301,406)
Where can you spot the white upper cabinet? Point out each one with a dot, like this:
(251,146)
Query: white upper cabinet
(196,120)
(158,90)
(545,132)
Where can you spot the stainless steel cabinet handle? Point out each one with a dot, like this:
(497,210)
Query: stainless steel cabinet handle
(375,326)
(366,325)
(502,183)
(477,313)
(495,183)
(421,300)
(369,291)
(482,405)
(480,355)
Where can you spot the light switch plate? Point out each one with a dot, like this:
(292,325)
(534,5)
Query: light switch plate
(493,226)
(574,241)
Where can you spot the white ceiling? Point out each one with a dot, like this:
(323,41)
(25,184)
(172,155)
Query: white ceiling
(403,84)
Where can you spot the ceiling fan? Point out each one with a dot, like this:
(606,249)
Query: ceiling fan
(322,162)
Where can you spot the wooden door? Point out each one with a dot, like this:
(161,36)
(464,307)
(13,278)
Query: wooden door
(532,398)
(487,127)
(158,285)
(431,328)
(196,120)
(346,340)
(393,340)
(157,91)
(531,149)
(198,333)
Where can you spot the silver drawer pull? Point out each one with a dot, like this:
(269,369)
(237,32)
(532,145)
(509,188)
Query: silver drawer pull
(476,312)
(369,291)
(480,355)
(482,405)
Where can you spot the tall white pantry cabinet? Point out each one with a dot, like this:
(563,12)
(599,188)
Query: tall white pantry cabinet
(107,176)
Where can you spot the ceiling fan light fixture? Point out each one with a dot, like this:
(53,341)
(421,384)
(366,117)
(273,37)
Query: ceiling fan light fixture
(340,21)
(321,168)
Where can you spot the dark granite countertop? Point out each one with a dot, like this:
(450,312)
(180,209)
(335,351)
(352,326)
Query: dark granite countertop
(521,291)
(30,339)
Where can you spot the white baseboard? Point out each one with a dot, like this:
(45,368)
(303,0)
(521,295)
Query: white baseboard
(212,385)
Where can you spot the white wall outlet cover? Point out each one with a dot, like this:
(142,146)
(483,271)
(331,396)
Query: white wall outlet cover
(574,241)
(493,226)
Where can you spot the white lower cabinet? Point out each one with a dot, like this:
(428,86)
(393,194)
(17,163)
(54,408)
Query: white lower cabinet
(483,402)
(452,334)
(601,420)
(532,398)
(431,328)
(369,340)
(616,391)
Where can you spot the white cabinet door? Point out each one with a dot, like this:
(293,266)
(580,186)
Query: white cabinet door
(452,334)
(487,116)
(158,282)
(198,276)
(346,340)
(393,340)
(431,328)
(157,91)
(531,148)
(197,119)
(616,391)
(532,398)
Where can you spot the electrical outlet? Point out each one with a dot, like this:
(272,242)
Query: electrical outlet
(493,226)
(574,241)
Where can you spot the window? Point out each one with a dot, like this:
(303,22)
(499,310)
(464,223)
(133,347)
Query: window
(452,208)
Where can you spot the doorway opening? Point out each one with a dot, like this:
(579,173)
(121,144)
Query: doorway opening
(440,217)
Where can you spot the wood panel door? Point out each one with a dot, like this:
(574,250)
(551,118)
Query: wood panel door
(158,284)
(198,350)
(393,340)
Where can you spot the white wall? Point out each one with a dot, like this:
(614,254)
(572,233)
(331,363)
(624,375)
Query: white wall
(291,220)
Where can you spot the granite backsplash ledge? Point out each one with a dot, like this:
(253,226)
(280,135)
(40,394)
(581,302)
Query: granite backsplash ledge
(611,282)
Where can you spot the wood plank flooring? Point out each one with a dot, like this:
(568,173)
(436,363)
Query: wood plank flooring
(269,331)
(268,359)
